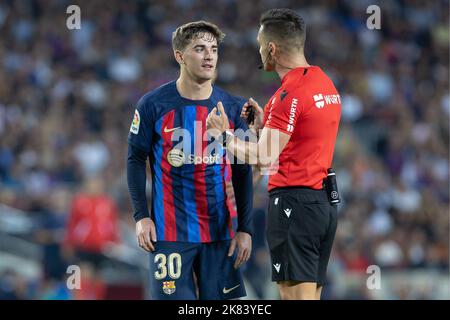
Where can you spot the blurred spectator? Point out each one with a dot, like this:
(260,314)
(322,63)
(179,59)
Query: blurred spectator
(12,286)
(92,226)
(49,231)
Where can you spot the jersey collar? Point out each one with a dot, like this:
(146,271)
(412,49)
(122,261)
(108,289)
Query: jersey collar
(294,73)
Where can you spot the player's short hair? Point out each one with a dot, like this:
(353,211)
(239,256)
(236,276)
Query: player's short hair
(184,34)
(285,27)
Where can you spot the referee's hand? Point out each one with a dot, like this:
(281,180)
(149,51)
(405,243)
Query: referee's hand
(243,241)
(146,234)
(258,113)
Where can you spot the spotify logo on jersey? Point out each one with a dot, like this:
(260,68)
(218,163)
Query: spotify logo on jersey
(175,157)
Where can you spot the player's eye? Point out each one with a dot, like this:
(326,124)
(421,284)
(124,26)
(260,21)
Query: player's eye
(198,50)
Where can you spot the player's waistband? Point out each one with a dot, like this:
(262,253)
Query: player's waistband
(302,193)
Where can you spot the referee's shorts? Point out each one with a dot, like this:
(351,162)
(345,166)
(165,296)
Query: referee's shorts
(301,227)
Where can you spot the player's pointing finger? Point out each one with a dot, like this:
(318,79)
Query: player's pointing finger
(220,107)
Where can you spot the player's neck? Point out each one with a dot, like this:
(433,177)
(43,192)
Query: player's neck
(192,90)
(288,63)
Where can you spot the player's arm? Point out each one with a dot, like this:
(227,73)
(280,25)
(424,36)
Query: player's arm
(242,180)
(264,153)
(139,140)
(137,178)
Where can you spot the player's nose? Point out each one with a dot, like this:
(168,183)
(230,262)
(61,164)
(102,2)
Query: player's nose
(208,55)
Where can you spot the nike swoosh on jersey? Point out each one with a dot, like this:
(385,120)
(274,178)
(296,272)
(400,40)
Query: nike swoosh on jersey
(170,130)
(225,290)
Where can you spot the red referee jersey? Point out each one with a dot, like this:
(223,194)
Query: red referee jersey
(307,106)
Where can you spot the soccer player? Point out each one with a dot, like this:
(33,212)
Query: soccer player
(299,128)
(190,231)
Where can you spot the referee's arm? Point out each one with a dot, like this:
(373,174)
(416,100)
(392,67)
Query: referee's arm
(265,153)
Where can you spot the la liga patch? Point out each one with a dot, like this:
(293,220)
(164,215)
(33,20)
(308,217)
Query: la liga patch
(136,122)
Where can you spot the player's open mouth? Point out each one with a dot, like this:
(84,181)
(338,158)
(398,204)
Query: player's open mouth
(207,66)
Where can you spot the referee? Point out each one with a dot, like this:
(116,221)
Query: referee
(298,128)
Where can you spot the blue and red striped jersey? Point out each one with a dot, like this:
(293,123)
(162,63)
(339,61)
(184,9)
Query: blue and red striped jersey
(190,171)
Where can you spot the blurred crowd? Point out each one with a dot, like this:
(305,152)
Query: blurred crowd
(67,99)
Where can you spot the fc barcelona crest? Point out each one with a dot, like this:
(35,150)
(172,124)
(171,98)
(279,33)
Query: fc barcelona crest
(169,287)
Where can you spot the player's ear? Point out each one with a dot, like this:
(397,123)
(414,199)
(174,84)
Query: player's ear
(178,56)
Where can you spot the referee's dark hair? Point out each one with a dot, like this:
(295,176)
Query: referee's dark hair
(285,27)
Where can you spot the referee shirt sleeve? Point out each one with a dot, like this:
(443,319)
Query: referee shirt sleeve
(284,114)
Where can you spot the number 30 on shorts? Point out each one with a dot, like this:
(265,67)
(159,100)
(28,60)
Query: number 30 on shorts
(172,263)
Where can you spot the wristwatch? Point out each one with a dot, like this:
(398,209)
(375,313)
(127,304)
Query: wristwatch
(226,136)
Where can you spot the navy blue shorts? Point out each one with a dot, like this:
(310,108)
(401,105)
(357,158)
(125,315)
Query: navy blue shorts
(179,269)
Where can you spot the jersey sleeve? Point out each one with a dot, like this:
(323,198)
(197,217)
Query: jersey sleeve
(141,129)
(136,179)
(242,176)
(284,114)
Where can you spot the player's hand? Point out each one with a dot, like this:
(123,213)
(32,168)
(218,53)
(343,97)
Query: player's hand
(251,104)
(243,241)
(217,124)
(146,234)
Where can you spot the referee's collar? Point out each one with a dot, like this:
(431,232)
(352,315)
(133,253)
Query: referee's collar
(295,72)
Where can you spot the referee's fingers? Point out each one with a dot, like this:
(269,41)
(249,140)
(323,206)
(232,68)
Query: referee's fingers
(252,102)
(244,111)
